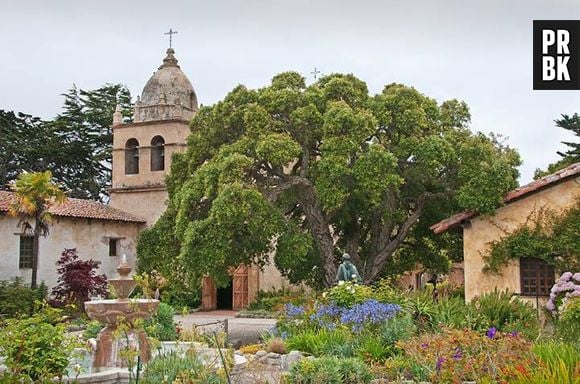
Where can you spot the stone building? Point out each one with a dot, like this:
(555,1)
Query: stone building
(142,153)
(96,230)
(528,277)
(142,149)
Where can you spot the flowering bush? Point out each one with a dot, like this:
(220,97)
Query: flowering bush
(567,286)
(455,355)
(348,293)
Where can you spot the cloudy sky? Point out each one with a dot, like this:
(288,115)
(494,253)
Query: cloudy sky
(477,51)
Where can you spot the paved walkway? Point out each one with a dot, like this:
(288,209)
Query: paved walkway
(241,331)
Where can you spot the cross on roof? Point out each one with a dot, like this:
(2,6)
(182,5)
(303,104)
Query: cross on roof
(170,33)
(315,73)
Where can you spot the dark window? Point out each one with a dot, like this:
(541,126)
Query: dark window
(113,243)
(536,276)
(131,157)
(26,245)
(157,154)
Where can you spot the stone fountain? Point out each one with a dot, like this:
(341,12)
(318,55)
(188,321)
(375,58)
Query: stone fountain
(112,313)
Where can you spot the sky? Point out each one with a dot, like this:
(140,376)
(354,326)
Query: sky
(476,51)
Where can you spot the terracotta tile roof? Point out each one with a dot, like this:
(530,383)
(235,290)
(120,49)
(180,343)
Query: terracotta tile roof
(510,197)
(81,208)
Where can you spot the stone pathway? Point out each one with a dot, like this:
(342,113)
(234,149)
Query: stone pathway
(241,331)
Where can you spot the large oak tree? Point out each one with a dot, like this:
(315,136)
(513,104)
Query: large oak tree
(307,172)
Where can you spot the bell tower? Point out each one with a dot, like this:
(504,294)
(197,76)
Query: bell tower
(142,149)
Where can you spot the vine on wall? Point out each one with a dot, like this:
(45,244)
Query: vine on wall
(548,235)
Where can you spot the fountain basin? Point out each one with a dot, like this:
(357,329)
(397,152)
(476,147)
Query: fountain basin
(113,312)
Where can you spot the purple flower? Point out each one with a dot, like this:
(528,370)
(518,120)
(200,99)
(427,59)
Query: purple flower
(439,363)
(513,334)
(491,332)
(458,354)
(424,345)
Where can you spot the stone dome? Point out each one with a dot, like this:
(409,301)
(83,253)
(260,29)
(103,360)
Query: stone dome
(168,94)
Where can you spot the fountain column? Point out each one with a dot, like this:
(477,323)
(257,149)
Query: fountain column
(121,311)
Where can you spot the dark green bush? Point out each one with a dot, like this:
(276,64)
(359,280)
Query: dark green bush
(329,370)
(16,298)
(161,325)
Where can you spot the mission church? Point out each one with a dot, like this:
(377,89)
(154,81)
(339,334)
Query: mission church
(142,151)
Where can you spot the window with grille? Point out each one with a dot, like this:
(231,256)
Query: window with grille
(26,245)
(536,276)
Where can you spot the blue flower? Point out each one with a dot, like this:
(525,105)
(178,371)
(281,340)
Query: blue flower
(491,332)
(293,310)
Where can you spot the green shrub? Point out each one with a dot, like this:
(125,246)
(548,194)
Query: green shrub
(92,330)
(174,368)
(568,323)
(385,292)
(346,294)
(329,370)
(398,328)
(500,309)
(555,354)
(451,312)
(35,347)
(18,299)
(274,301)
(422,309)
(161,325)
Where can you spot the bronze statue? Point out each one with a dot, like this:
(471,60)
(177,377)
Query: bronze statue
(347,270)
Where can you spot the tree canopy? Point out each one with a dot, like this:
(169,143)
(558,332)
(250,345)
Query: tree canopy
(572,155)
(76,146)
(307,172)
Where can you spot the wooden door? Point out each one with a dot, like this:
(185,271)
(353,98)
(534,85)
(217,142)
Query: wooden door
(240,288)
(208,294)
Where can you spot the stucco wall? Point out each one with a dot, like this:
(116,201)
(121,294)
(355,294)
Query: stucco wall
(89,237)
(148,204)
(270,279)
(173,132)
(483,230)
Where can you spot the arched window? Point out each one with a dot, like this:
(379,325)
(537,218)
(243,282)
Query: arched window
(131,157)
(157,154)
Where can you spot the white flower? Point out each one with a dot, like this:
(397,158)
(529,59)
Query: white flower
(353,276)
(340,282)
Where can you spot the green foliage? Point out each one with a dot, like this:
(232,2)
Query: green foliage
(552,354)
(329,370)
(36,347)
(500,309)
(18,299)
(92,330)
(174,368)
(322,342)
(161,325)
(83,164)
(348,293)
(572,155)
(568,323)
(275,300)
(287,161)
(157,245)
(547,235)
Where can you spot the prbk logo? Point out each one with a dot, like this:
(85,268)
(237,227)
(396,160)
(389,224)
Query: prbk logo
(556,54)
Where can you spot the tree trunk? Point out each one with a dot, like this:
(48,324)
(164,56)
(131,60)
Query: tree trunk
(35,245)
(320,229)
